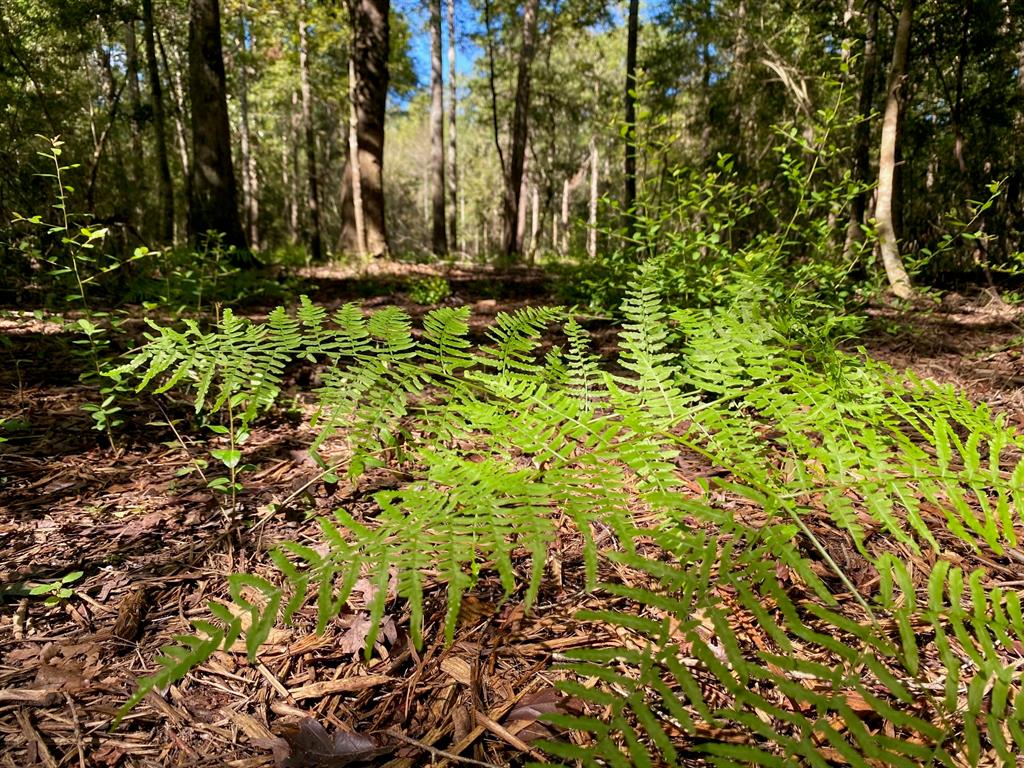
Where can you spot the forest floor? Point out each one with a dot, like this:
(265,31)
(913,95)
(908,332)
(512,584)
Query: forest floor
(154,547)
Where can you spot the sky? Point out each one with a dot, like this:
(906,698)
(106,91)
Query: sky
(466,52)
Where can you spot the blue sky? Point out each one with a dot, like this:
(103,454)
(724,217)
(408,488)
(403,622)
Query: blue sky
(466,51)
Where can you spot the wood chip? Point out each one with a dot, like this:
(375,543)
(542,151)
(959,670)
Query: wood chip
(345,685)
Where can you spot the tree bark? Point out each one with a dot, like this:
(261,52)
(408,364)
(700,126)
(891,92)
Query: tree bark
(453,166)
(353,161)
(250,182)
(899,281)
(178,102)
(862,133)
(370,50)
(316,250)
(592,212)
(492,88)
(213,206)
(453,169)
(139,186)
(629,198)
(165,187)
(438,189)
(513,244)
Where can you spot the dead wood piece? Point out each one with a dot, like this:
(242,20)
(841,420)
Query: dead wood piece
(30,697)
(345,685)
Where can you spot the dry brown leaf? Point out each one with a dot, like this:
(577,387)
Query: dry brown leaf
(546,701)
(354,639)
(307,744)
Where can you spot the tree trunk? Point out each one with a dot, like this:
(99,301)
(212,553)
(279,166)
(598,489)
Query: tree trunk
(165,188)
(370,51)
(178,102)
(353,161)
(250,183)
(862,133)
(438,190)
(492,88)
(534,222)
(592,213)
(899,281)
(629,199)
(316,250)
(513,244)
(139,186)
(213,206)
(453,166)
(958,100)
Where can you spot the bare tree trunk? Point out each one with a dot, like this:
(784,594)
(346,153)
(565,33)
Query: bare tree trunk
(250,184)
(899,281)
(592,213)
(438,190)
(316,250)
(131,49)
(370,52)
(534,222)
(294,129)
(524,187)
(958,100)
(178,92)
(453,166)
(493,91)
(113,94)
(165,188)
(353,150)
(291,208)
(629,199)
(513,244)
(862,134)
(214,196)
(563,247)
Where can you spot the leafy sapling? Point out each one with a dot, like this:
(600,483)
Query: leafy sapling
(80,244)
(58,591)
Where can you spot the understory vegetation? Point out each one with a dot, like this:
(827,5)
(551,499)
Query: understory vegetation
(505,442)
(644,388)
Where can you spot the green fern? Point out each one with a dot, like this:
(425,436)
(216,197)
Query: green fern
(506,440)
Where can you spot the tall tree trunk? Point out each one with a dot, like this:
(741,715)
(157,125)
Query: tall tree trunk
(250,182)
(534,222)
(958,100)
(370,51)
(862,133)
(592,211)
(513,244)
(438,190)
(492,88)
(316,249)
(131,50)
(165,188)
(293,141)
(899,281)
(629,200)
(178,102)
(453,166)
(214,195)
(112,93)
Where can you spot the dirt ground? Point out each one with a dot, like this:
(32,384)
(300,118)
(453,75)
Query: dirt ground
(154,547)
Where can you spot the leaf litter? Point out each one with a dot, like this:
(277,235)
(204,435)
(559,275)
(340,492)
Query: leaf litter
(154,550)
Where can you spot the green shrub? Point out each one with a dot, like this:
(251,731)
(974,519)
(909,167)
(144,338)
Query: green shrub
(428,290)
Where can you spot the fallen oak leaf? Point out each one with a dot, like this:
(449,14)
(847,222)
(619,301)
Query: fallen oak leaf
(546,701)
(306,744)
